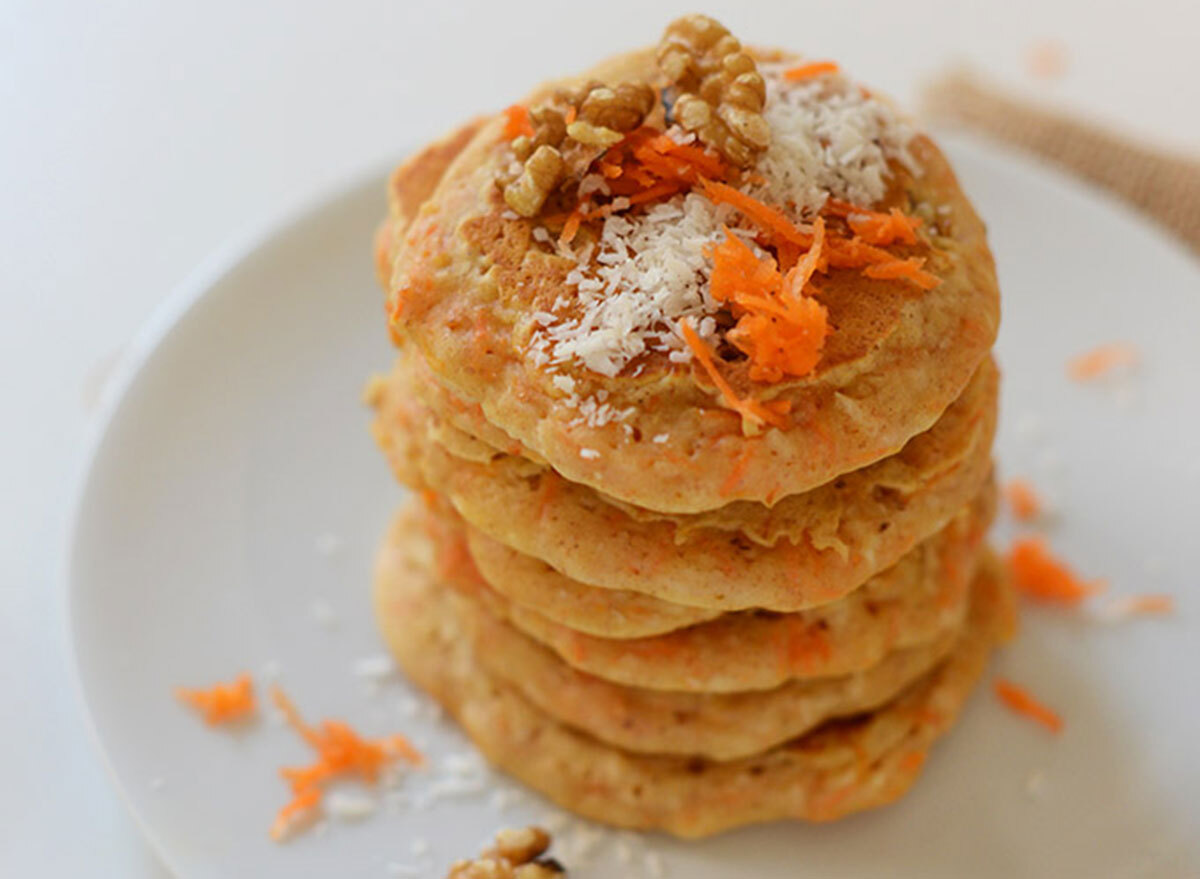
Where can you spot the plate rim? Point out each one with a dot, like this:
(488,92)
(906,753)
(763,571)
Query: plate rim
(151,334)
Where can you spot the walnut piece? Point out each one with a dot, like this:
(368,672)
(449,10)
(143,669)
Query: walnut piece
(515,855)
(719,93)
(619,109)
(543,171)
(557,150)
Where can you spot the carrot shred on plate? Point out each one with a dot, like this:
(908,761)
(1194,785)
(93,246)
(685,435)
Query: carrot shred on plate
(810,70)
(1041,576)
(222,703)
(1126,606)
(1102,360)
(341,752)
(1023,499)
(1022,701)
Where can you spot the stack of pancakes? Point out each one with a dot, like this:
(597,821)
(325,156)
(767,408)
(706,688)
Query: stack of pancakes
(664,620)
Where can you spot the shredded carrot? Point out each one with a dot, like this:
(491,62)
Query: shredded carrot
(771,220)
(340,752)
(1101,361)
(894,227)
(517,122)
(908,269)
(808,71)
(1038,574)
(752,411)
(571,114)
(1021,701)
(781,330)
(737,471)
(1023,499)
(222,703)
(570,227)
(1139,605)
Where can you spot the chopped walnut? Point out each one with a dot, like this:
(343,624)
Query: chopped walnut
(558,150)
(719,93)
(515,855)
(543,171)
(619,109)
(549,129)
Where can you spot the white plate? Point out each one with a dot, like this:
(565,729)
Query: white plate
(237,451)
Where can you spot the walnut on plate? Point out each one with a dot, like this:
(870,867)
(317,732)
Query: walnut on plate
(719,91)
(516,854)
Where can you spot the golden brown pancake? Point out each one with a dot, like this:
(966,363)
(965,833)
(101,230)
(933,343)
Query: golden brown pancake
(915,601)
(807,550)
(840,768)
(409,186)
(470,276)
(721,726)
(530,583)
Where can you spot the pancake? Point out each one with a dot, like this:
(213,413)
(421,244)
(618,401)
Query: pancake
(718,726)
(914,602)
(840,768)
(527,582)
(409,186)
(471,277)
(807,550)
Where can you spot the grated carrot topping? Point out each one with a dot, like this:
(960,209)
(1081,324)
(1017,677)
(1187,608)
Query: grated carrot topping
(771,221)
(222,703)
(894,227)
(752,411)
(341,752)
(781,330)
(907,269)
(1101,360)
(1022,701)
(1041,576)
(808,71)
(1024,501)
(570,227)
(517,122)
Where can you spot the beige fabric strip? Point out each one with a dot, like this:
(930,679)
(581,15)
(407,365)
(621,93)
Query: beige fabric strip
(1164,186)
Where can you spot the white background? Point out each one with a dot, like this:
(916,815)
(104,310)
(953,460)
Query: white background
(136,138)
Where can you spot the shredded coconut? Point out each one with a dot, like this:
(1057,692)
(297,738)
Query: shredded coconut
(374,667)
(650,271)
(350,807)
(828,138)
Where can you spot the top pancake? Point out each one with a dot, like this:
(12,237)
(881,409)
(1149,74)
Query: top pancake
(469,276)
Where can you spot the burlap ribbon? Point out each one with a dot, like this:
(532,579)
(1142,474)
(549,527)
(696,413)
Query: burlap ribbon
(1163,186)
